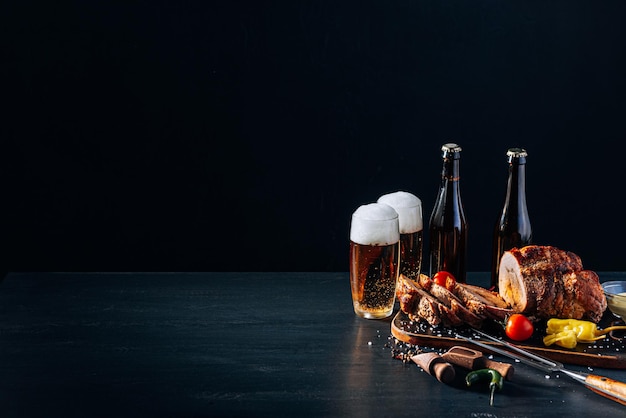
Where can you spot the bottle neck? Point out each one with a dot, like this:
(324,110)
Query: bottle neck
(451,170)
(516,190)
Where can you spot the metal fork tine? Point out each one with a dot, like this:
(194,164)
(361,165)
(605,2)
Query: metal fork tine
(606,387)
(550,363)
(506,353)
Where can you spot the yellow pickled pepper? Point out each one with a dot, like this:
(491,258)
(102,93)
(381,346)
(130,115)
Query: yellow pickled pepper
(569,332)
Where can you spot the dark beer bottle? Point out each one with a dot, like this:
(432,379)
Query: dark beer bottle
(448,227)
(513,226)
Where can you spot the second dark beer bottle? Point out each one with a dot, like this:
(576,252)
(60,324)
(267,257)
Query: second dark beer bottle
(448,227)
(513,226)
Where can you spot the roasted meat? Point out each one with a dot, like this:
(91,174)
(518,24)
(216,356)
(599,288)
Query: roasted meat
(463,305)
(451,301)
(547,282)
(483,302)
(418,304)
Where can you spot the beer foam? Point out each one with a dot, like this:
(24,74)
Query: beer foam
(409,209)
(375,224)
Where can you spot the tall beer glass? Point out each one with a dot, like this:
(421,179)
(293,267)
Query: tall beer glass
(374,250)
(409,209)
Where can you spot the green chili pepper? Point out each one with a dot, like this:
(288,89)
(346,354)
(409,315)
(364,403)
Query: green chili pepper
(496,380)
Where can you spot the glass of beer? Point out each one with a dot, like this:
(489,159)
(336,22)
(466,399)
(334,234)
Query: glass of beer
(409,209)
(374,251)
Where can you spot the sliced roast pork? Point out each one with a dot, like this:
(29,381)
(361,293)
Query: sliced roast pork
(547,282)
(451,301)
(418,304)
(483,302)
(460,304)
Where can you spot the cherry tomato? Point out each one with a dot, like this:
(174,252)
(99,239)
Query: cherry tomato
(519,328)
(442,278)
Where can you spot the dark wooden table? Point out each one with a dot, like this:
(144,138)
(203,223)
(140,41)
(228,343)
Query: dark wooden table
(232,344)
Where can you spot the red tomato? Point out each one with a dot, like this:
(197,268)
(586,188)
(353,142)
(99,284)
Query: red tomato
(519,328)
(442,277)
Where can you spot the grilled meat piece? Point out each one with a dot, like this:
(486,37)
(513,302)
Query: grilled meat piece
(546,282)
(424,299)
(483,302)
(451,301)
(418,304)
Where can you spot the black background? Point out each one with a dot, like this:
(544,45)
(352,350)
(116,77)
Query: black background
(241,135)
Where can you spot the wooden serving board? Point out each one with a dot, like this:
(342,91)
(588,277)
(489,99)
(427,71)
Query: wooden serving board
(608,353)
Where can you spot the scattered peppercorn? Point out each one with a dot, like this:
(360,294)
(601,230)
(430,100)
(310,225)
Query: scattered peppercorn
(403,353)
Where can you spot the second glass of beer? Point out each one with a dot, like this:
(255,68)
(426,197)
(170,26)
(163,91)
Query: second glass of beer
(409,209)
(374,237)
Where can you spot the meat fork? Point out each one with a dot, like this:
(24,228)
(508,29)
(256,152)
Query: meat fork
(609,388)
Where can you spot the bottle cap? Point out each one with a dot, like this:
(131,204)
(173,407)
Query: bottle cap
(451,149)
(517,153)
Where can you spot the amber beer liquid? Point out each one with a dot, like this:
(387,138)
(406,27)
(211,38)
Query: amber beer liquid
(447,245)
(409,209)
(374,253)
(411,246)
(374,282)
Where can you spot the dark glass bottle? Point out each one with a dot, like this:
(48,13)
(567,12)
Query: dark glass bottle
(448,227)
(513,226)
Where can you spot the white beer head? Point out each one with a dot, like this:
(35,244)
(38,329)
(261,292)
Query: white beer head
(375,224)
(409,209)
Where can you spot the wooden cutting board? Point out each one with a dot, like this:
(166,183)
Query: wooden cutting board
(608,353)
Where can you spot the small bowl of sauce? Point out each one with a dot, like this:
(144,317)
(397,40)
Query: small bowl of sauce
(615,292)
